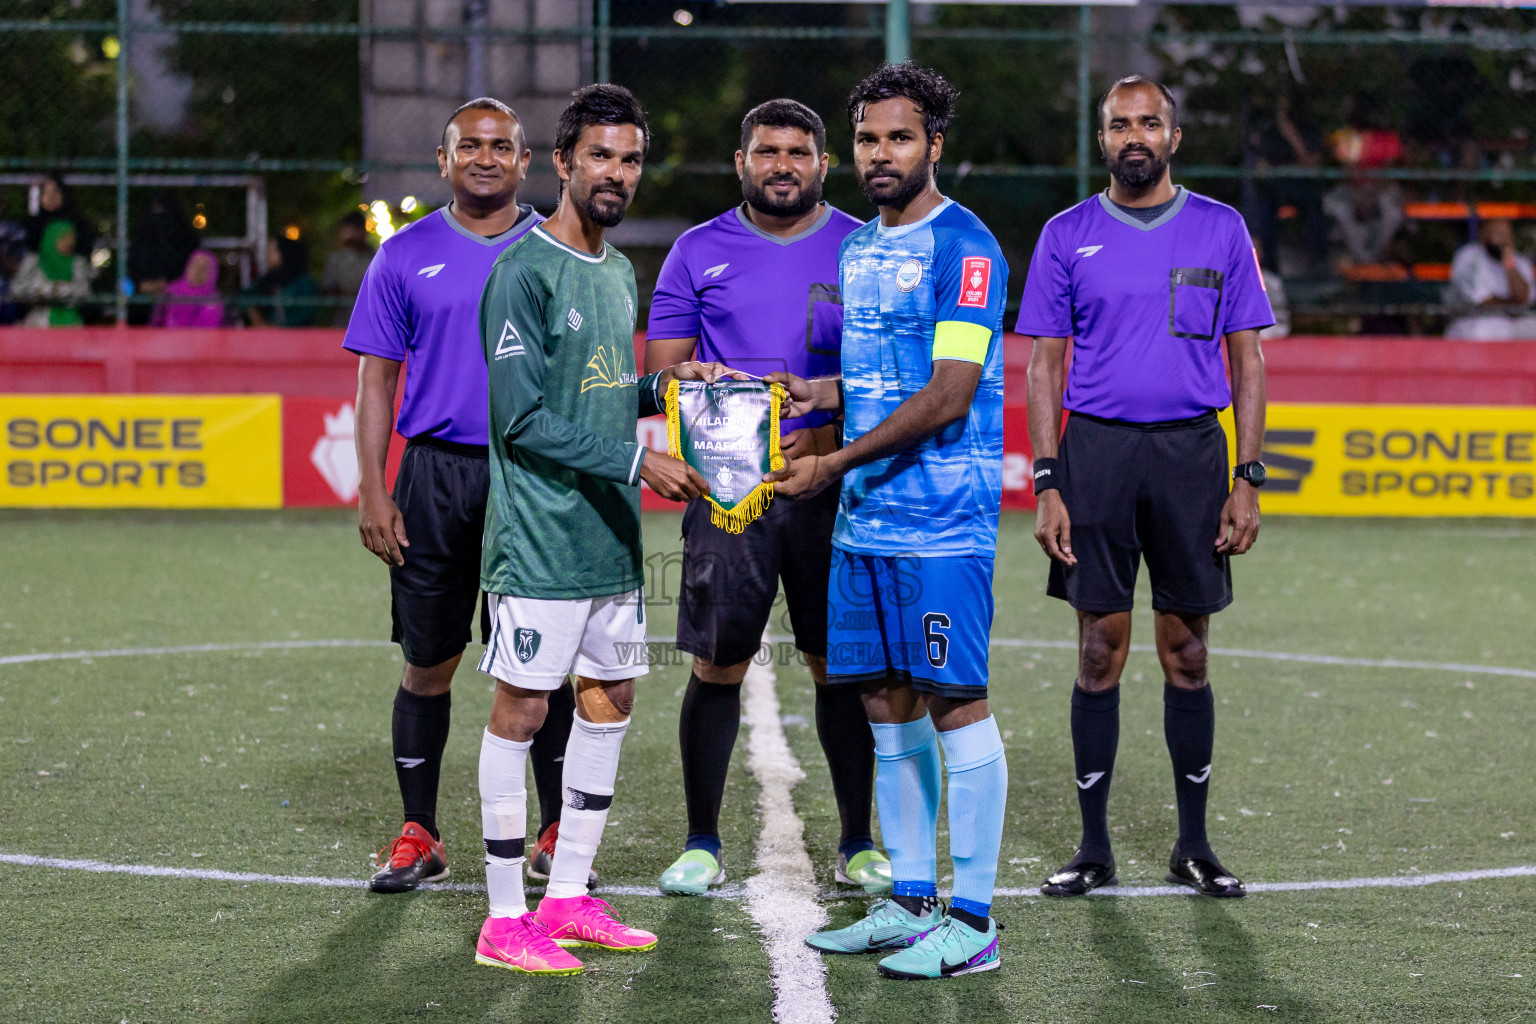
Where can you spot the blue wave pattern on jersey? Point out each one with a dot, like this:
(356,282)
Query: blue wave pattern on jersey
(942,496)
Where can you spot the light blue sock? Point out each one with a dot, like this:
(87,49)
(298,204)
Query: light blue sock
(907,780)
(978,795)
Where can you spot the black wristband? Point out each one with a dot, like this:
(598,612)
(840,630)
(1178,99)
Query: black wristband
(1047,475)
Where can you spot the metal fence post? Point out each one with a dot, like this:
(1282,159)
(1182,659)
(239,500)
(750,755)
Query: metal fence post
(1084,123)
(898,31)
(121,267)
(604,39)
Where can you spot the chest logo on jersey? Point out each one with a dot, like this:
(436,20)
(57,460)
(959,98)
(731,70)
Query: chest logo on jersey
(607,371)
(574,319)
(1088,250)
(510,342)
(908,275)
(716,271)
(431,271)
(975,281)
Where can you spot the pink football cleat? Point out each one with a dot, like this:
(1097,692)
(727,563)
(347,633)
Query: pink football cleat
(588,921)
(521,944)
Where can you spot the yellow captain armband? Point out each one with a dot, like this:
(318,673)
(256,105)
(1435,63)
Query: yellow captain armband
(958,339)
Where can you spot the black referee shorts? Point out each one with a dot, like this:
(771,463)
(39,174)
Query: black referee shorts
(1144,489)
(441,490)
(730,580)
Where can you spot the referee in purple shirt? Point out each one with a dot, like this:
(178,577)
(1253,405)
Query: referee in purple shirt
(1146,279)
(419,307)
(756,288)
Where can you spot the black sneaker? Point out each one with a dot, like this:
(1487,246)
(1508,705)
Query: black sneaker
(414,857)
(1206,877)
(1079,877)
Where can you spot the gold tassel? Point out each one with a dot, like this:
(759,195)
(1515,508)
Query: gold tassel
(674,422)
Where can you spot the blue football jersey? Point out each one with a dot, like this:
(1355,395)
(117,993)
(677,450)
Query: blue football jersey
(913,294)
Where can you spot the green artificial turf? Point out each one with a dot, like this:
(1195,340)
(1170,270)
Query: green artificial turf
(187,760)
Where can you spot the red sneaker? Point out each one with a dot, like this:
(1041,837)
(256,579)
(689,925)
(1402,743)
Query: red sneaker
(542,859)
(413,858)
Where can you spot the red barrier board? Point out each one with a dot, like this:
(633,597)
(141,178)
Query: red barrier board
(318,381)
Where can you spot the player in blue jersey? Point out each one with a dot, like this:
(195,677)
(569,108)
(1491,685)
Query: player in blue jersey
(419,305)
(756,289)
(910,604)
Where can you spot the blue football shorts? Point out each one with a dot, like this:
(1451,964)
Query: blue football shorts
(923,621)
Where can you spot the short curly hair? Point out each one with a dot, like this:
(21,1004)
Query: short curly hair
(931,91)
(599,104)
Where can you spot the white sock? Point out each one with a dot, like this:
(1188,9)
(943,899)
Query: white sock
(591,765)
(504,821)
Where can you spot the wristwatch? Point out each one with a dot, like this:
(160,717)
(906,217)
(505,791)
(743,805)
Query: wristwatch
(1253,472)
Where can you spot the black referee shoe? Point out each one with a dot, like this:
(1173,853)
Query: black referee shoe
(1078,878)
(1206,877)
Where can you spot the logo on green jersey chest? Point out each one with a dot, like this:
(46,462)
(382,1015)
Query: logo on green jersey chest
(605,370)
(525,644)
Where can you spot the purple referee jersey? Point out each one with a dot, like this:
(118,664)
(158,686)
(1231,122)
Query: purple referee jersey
(755,301)
(420,304)
(1145,305)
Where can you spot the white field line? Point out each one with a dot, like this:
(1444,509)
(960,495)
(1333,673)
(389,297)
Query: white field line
(214,875)
(1006,642)
(736,892)
(782,897)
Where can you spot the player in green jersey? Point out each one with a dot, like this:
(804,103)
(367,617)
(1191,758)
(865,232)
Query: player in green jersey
(561,559)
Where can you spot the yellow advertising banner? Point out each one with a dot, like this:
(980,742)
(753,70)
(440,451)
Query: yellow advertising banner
(1398,460)
(141,451)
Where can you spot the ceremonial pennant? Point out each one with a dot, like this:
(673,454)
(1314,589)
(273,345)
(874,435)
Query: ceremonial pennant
(729,432)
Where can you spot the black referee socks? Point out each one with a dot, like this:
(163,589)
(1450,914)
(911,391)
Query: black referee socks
(706,733)
(419,728)
(1095,738)
(1189,725)
(849,743)
(548,754)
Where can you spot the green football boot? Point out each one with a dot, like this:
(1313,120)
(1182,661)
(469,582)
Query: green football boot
(950,950)
(870,870)
(692,874)
(887,925)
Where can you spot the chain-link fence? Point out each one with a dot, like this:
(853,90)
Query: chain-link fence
(1365,145)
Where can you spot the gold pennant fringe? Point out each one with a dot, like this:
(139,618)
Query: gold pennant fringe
(733,520)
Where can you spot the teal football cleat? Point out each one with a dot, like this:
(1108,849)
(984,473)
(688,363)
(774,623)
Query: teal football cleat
(692,874)
(887,925)
(950,950)
(870,870)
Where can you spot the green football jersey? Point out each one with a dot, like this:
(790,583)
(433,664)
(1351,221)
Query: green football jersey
(563,518)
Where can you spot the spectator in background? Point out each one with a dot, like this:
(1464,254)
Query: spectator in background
(162,242)
(1275,140)
(287,279)
(1369,214)
(192,300)
(1491,288)
(346,264)
(13,249)
(1275,288)
(55,278)
(54,204)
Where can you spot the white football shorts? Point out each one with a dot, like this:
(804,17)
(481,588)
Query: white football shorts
(535,643)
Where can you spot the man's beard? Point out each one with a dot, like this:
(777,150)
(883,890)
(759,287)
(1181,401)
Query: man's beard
(1142,176)
(907,188)
(605,216)
(766,202)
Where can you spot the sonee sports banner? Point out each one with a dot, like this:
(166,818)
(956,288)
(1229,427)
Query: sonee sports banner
(141,451)
(1398,460)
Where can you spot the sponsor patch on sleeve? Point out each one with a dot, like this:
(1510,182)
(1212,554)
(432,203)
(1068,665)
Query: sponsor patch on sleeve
(975,281)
